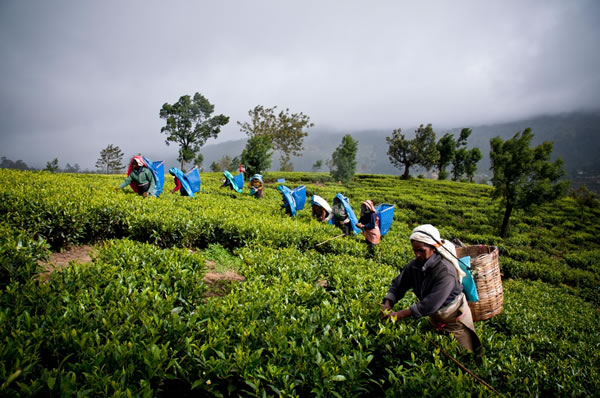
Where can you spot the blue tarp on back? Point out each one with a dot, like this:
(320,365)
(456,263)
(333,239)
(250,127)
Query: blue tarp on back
(193,177)
(288,199)
(299,194)
(349,211)
(239,181)
(158,169)
(232,180)
(385,213)
(182,179)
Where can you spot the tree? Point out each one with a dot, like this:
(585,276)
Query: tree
(344,159)
(446,146)
(524,176)
(6,163)
(52,166)
(257,156)
(286,131)
(420,151)
(462,155)
(225,163)
(110,160)
(317,165)
(199,160)
(189,124)
(71,169)
(473,157)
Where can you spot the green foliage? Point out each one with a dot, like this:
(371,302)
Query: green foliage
(190,125)
(446,147)
(110,160)
(256,157)
(524,176)
(421,150)
(285,130)
(344,160)
(52,166)
(305,322)
(317,165)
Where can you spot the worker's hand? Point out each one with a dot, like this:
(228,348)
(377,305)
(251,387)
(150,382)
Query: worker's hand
(394,316)
(117,189)
(386,309)
(359,225)
(146,194)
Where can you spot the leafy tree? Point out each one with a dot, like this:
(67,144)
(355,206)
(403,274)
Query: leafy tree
(585,199)
(285,130)
(225,163)
(344,159)
(9,164)
(257,155)
(462,156)
(189,124)
(524,176)
(198,161)
(110,160)
(473,157)
(52,166)
(419,151)
(234,164)
(71,169)
(446,146)
(317,165)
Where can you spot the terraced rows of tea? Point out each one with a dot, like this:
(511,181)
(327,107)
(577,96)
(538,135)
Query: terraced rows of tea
(141,320)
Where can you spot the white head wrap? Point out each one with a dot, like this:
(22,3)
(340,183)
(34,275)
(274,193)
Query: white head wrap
(138,161)
(429,234)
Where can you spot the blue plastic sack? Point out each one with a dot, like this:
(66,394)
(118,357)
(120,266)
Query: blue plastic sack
(233,181)
(158,170)
(239,181)
(289,203)
(468,282)
(193,178)
(299,194)
(385,212)
(185,185)
(349,212)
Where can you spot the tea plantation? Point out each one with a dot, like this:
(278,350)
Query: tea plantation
(138,320)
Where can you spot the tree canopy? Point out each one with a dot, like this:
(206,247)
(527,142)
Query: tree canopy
(524,176)
(343,159)
(52,166)
(287,131)
(257,156)
(419,151)
(189,124)
(110,160)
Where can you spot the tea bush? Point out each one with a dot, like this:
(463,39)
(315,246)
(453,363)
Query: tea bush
(137,321)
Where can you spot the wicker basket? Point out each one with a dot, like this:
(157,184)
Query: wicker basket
(486,273)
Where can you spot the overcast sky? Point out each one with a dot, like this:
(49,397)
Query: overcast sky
(79,75)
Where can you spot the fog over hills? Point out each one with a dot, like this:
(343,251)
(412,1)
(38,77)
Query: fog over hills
(576,138)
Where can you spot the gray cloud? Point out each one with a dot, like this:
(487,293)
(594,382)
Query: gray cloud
(77,76)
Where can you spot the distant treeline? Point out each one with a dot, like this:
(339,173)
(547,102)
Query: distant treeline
(6,163)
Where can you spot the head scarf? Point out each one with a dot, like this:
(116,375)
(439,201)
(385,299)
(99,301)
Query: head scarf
(369,205)
(138,160)
(429,234)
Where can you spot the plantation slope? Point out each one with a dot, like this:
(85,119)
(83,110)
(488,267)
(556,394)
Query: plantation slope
(140,320)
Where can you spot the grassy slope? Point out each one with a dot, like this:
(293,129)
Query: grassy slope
(279,330)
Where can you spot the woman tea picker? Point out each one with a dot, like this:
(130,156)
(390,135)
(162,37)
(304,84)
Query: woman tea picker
(434,275)
(141,176)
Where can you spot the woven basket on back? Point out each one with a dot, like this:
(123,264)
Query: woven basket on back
(486,273)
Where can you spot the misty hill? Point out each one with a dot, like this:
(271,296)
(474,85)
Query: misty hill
(576,138)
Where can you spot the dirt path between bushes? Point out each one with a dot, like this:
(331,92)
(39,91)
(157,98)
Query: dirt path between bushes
(216,281)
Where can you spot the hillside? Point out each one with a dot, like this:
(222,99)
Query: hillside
(576,140)
(140,320)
